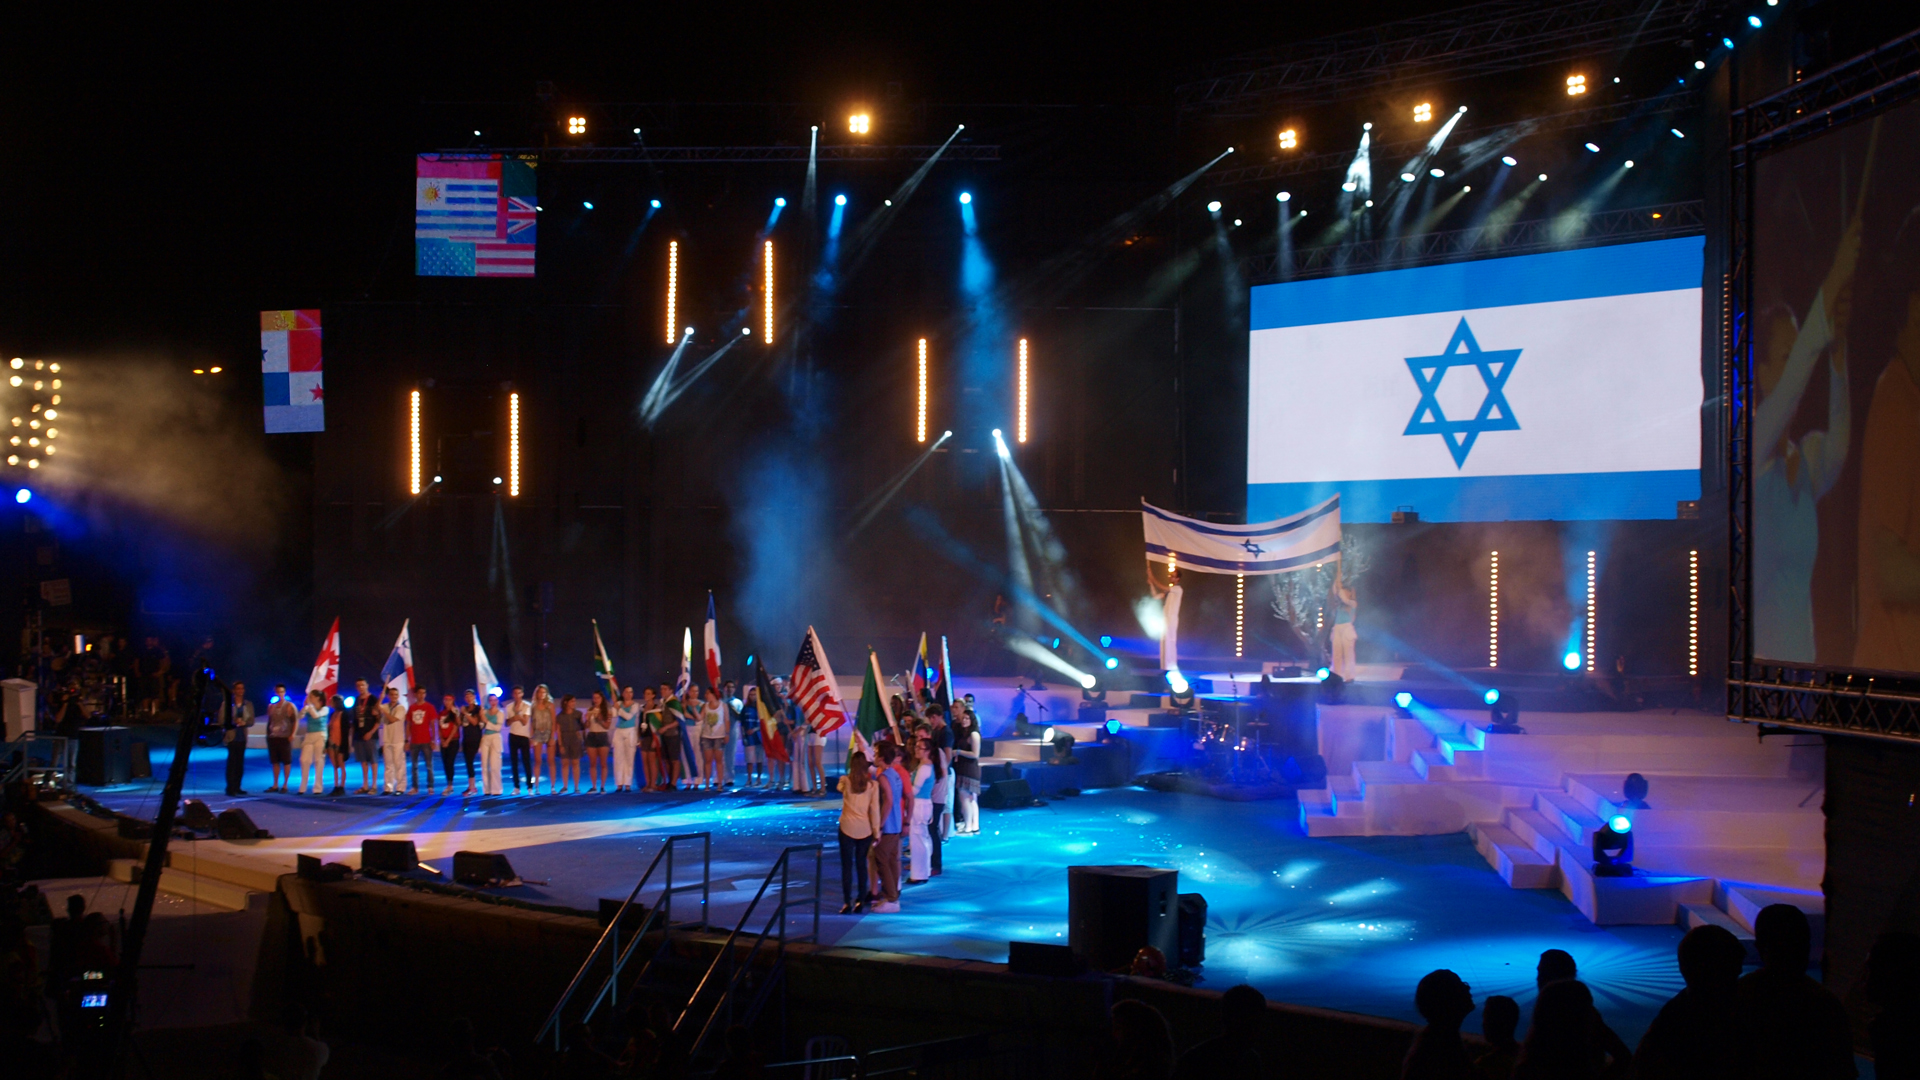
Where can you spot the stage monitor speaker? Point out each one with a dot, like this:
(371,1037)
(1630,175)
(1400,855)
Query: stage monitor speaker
(106,756)
(142,768)
(234,824)
(197,815)
(1112,911)
(1035,958)
(1193,930)
(1007,795)
(393,856)
(486,868)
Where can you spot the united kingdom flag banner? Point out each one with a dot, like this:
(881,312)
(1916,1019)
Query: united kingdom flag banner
(473,215)
(290,371)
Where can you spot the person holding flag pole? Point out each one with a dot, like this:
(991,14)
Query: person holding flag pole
(767,708)
(396,679)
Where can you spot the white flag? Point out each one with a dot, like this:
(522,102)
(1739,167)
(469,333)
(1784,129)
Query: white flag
(482,670)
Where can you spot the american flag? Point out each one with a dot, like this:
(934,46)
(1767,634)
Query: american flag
(473,216)
(812,687)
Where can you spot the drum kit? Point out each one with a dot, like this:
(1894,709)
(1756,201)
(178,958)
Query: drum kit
(1230,750)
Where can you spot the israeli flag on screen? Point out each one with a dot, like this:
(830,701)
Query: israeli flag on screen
(1562,386)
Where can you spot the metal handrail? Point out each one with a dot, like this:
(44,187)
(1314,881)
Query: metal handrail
(662,907)
(738,968)
(59,758)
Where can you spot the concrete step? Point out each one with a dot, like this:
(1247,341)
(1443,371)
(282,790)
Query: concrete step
(1347,796)
(206,890)
(1744,902)
(1316,801)
(1351,825)
(1540,834)
(1643,899)
(1693,915)
(1518,864)
(1464,755)
(1576,821)
(1368,774)
(1432,766)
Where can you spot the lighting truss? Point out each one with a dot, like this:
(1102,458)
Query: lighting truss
(734,155)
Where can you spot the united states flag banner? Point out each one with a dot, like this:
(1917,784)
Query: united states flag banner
(812,687)
(290,371)
(473,215)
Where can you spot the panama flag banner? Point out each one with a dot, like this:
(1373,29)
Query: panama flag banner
(397,675)
(326,669)
(1269,547)
(290,371)
(711,636)
(486,682)
(473,215)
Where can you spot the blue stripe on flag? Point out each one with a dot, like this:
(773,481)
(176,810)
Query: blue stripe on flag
(1616,496)
(1259,566)
(1243,531)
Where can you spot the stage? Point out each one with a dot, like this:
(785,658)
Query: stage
(1285,909)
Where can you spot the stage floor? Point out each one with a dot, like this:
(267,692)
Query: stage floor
(1346,923)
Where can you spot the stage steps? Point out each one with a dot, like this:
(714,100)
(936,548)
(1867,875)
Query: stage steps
(210,891)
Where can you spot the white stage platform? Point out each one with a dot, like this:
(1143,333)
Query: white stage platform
(1732,823)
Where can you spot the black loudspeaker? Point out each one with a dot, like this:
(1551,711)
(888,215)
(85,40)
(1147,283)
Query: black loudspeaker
(1193,929)
(142,768)
(197,815)
(393,856)
(488,868)
(1034,958)
(1007,795)
(106,756)
(1112,911)
(234,824)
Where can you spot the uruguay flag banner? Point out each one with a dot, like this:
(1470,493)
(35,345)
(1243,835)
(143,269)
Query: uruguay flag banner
(711,636)
(1270,547)
(397,675)
(1559,386)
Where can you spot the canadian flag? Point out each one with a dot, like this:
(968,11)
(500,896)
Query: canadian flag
(712,636)
(326,669)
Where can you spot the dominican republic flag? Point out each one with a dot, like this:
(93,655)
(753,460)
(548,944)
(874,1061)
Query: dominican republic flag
(397,676)
(326,669)
(767,704)
(711,636)
(484,678)
(602,666)
(813,688)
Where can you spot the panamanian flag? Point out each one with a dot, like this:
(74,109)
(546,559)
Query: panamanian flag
(290,371)
(397,675)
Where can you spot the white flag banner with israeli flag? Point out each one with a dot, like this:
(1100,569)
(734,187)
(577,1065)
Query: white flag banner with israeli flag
(1270,547)
(1559,386)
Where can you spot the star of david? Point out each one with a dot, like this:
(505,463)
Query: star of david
(1494,415)
(1252,548)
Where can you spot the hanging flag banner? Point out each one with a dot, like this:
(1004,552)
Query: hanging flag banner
(1270,547)
(290,371)
(473,215)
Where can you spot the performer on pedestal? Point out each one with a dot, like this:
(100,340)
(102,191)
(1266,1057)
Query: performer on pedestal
(1169,598)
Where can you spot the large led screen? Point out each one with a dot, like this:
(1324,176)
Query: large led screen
(1561,386)
(1836,424)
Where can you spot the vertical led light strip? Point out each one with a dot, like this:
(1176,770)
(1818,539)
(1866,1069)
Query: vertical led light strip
(413,443)
(513,444)
(767,271)
(1239,615)
(1592,615)
(673,285)
(1493,612)
(1021,428)
(1693,613)
(920,411)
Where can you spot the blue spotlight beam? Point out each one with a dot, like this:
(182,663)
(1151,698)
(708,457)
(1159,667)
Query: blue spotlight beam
(680,386)
(962,556)
(877,501)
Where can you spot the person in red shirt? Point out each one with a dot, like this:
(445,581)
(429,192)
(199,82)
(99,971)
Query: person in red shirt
(448,738)
(423,734)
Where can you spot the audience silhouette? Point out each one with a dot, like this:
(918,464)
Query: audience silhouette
(1567,1039)
(1499,1020)
(1697,1032)
(1556,965)
(1443,1000)
(1792,1028)
(1893,986)
(1235,1052)
(1142,1044)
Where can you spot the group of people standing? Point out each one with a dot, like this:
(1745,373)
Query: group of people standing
(659,740)
(918,781)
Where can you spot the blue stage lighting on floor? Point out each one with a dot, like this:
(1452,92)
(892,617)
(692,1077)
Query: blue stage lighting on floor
(1403,699)
(1491,697)
(23,496)
(966,198)
(1571,661)
(781,201)
(1113,663)
(1323,674)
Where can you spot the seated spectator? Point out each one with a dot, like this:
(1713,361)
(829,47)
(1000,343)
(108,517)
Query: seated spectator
(1893,985)
(1568,1040)
(1792,1027)
(1556,965)
(1696,1033)
(1437,1052)
(1235,1052)
(1141,1046)
(1499,1020)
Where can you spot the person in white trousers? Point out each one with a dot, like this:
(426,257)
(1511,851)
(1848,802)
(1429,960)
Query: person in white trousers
(492,718)
(313,741)
(626,728)
(393,743)
(966,766)
(920,865)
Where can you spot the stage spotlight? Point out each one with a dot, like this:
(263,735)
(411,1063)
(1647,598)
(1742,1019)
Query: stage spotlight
(496,481)
(1323,674)
(1113,725)
(1106,641)
(1422,113)
(23,496)
(1727,41)
(1543,178)
(1677,133)
(1508,161)
(778,201)
(1055,645)
(1213,207)
(576,125)
(1468,187)
(1613,848)
(1047,735)
(1592,149)
(860,123)
(1628,164)
(1403,699)
(1576,85)
(1113,663)
(839,200)
(1368,126)
(1369,202)
(586,205)
(1087,681)
(966,198)
(1699,65)
(1571,661)
(347,701)
(1407,178)
(1177,682)
(1285,196)
(655,204)
(1289,139)
(436,478)
(1491,697)
(1436,173)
